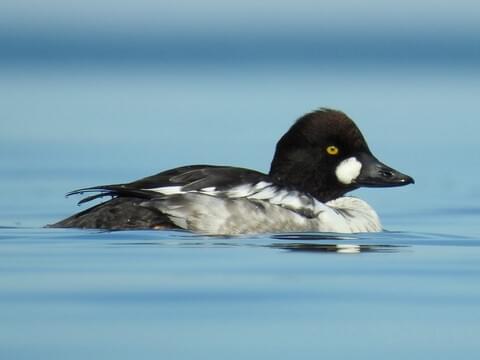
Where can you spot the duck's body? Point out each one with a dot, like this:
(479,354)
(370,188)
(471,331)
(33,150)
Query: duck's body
(322,157)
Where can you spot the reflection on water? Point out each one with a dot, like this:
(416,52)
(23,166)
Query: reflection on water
(315,236)
(292,246)
(336,248)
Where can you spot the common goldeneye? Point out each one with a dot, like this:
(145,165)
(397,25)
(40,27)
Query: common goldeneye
(320,158)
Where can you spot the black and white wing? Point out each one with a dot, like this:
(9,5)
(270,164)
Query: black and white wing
(194,178)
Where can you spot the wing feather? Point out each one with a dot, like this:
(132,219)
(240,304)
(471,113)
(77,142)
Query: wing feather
(192,178)
(219,181)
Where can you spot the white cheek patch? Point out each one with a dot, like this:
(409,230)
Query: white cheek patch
(348,170)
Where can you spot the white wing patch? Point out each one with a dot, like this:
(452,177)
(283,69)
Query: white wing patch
(240,191)
(209,189)
(212,190)
(168,190)
(267,193)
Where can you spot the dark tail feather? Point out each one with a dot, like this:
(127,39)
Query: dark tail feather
(109,190)
(96,196)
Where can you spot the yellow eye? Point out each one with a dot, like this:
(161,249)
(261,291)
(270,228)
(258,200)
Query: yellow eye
(332,150)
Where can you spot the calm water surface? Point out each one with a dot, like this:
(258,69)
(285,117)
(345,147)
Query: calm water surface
(411,292)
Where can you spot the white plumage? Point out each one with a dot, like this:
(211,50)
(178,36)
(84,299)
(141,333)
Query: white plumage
(254,208)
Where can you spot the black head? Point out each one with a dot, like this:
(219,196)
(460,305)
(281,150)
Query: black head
(325,154)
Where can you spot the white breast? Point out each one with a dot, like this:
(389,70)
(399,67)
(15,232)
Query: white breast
(355,214)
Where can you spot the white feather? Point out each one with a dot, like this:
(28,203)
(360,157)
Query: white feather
(266,193)
(168,190)
(240,191)
(212,190)
(262,185)
(208,189)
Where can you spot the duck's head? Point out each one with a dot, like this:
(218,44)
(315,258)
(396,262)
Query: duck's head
(324,153)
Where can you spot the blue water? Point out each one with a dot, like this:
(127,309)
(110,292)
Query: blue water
(410,292)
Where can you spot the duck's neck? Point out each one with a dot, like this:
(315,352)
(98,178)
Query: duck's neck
(321,186)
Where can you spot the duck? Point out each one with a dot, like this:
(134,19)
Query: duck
(321,158)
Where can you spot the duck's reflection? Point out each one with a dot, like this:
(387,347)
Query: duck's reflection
(337,243)
(315,236)
(336,248)
(295,242)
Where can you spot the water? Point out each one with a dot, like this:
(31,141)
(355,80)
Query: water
(409,292)
(79,294)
